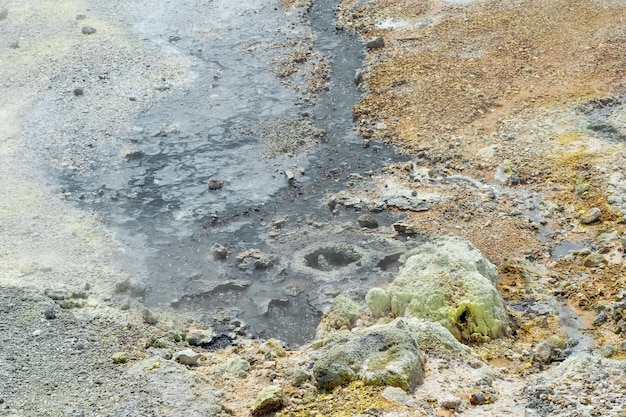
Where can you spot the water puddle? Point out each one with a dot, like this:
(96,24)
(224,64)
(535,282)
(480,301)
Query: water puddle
(574,326)
(565,247)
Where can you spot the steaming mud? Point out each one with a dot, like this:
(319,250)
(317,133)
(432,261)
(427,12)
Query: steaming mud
(183,126)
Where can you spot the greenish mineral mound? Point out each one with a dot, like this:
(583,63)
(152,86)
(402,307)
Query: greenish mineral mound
(447,281)
(342,314)
(379,355)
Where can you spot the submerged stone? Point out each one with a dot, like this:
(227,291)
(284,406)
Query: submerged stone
(450,282)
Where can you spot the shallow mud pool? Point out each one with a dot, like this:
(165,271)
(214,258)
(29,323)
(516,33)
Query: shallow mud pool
(198,160)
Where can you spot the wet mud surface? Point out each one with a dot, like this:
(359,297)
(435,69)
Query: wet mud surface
(222,150)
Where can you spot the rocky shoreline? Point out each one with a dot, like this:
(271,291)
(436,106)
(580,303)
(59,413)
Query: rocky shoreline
(501,293)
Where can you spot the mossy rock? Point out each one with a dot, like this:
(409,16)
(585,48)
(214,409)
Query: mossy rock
(432,338)
(343,313)
(380,355)
(450,282)
(378,301)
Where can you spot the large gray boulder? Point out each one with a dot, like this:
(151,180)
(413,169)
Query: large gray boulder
(176,388)
(379,355)
(447,281)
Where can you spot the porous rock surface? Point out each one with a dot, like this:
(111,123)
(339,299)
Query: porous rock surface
(450,282)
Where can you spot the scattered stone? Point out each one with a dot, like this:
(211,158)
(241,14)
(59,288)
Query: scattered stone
(237,366)
(14,44)
(397,395)
(403,228)
(367,220)
(379,355)
(122,286)
(149,317)
(375,43)
(268,400)
(159,352)
(78,91)
(332,203)
(215,184)
(358,77)
(273,348)
(50,313)
(477,398)
(591,216)
(4,12)
(187,357)
(545,352)
(291,179)
(600,318)
(57,294)
(451,402)
(219,251)
(296,376)
(342,314)
(88,30)
(199,337)
(595,259)
(120,357)
(608,351)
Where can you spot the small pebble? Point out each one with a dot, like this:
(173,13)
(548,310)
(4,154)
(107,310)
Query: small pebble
(375,43)
(219,251)
(88,30)
(78,91)
(477,398)
(50,313)
(215,184)
(149,317)
(591,216)
(187,357)
(368,221)
(119,357)
(451,402)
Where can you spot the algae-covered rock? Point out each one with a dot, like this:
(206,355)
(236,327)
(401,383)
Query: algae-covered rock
(379,355)
(343,313)
(273,348)
(450,282)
